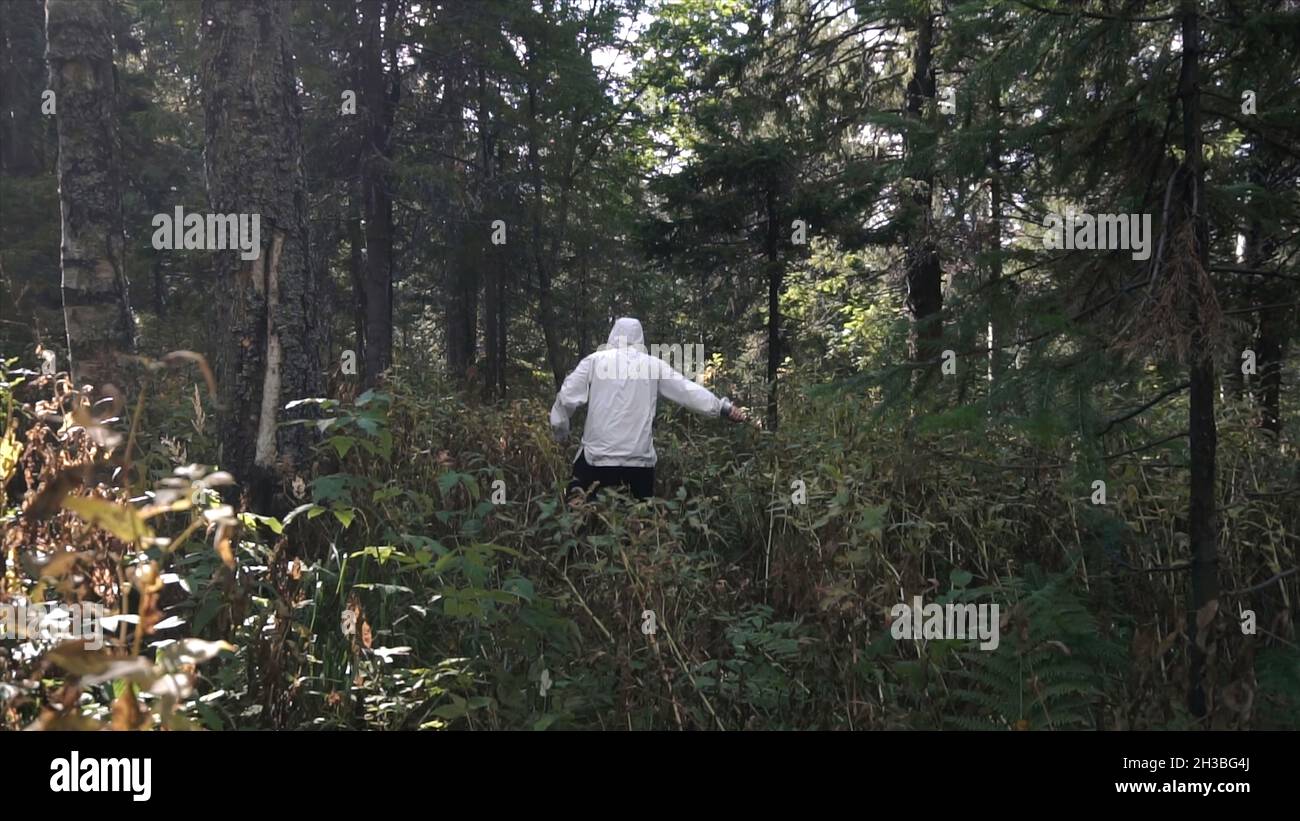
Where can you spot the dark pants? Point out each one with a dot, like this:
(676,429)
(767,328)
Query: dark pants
(641,481)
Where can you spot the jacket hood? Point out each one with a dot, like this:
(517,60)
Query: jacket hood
(628,330)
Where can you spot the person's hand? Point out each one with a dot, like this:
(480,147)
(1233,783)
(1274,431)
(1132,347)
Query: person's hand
(738,414)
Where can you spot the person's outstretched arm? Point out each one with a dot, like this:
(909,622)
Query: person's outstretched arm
(572,395)
(693,396)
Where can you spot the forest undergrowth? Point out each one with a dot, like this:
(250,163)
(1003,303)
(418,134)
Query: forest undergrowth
(427,572)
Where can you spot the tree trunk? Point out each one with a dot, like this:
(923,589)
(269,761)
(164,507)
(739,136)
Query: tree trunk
(31,297)
(775,275)
(96,308)
(503,279)
(1275,323)
(541,260)
(996,302)
(462,303)
(323,239)
(22,58)
(460,282)
(492,329)
(1202,527)
(159,288)
(584,299)
(268,349)
(1275,326)
(924,272)
(357,274)
(379,97)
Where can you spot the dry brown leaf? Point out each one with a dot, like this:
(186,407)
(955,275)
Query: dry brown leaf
(60,564)
(223,545)
(51,495)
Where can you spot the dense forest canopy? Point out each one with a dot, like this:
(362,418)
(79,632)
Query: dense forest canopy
(1011,290)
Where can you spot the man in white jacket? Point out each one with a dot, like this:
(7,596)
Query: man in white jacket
(621,385)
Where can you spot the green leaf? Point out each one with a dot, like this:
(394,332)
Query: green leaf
(368,424)
(544,722)
(345,515)
(489,546)
(307,507)
(381,552)
(873,518)
(962,418)
(342,444)
(520,587)
(331,487)
(251,520)
(383,494)
(447,481)
(457,709)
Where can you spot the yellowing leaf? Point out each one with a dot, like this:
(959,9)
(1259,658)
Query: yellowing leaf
(174,506)
(76,659)
(10,450)
(96,666)
(122,520)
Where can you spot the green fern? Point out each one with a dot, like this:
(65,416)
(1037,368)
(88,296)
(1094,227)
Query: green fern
(1049,670)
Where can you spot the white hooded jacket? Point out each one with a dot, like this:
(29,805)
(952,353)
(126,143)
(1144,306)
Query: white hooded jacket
(621,385)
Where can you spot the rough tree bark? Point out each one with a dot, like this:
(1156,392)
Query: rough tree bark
(462,302)
(1203,435)
(924,272)
(96,308)
(380,93)
(268,350)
